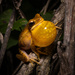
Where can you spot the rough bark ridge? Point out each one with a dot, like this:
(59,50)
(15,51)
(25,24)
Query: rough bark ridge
(6,37)
(66,50)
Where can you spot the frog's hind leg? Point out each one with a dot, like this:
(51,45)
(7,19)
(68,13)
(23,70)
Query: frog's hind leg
(32,60)
(33,48)
(40,52)
(37,51)
(36,54)
(23,56)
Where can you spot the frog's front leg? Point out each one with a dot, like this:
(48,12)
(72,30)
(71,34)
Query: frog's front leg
(23,56)
(57,26)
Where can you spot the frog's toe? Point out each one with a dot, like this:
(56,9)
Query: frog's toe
(32,60)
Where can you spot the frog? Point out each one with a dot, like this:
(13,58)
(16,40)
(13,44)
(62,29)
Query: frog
(38,35)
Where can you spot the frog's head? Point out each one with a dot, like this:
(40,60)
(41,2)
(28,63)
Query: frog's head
(35,22)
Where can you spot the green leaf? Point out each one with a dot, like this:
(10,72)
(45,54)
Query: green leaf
(4,19)
(19,24)
(13,40)
(47,16)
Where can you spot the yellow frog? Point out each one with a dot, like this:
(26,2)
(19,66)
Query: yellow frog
(36,35)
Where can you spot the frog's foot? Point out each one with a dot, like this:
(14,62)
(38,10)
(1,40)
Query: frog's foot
(38,57)
(57,23)
(20,57)
(32,60)
(58,27)
(23,56)
(40,52)
(33,49)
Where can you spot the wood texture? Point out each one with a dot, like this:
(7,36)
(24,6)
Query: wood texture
(66,50)
(6,37)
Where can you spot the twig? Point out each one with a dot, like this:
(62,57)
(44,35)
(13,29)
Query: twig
(45,7)
(6,37)
(0,1)
(59,13)
(19,66)
(54,4)
(62,1)
(17,6)
(1,38)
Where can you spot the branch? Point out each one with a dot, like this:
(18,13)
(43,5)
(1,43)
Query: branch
(25,69)
(57,1)
(1,38)
(59,13)
(0,1)
(17,6)
(19,66)
(59,17)
(44,68)
(66,50)
(45,7)
(6,37)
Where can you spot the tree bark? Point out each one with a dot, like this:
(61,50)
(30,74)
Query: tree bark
(6,37)
(66,50)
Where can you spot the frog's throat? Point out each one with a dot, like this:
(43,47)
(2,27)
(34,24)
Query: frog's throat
(36,25)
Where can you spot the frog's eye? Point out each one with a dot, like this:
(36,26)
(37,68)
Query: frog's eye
(32,23)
